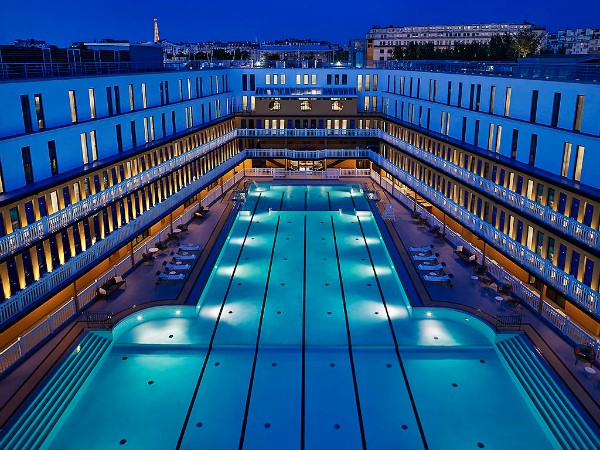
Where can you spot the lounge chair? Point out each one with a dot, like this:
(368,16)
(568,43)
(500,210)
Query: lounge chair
(513,301)
(182,227)
(177,267)
(423,221)
(585,353)
(109,287)
(146,257)
(504,289)
(163,277)
(439,279)
(425,258)
(420,249)
(184,257)
(465,255)
(161,246)
(432,268)
(173,236)
(434,229)
(190,248)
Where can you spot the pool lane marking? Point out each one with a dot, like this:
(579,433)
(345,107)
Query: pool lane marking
(214,332)
(358,408)
(396,347)
(305,199)
(260,322)
(329,200)
(281,202)
(303,399)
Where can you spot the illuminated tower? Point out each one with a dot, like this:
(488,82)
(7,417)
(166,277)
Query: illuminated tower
(156,38)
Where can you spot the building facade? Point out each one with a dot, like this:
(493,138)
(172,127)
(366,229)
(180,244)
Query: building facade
(580,41)
(91,166)
(382,40)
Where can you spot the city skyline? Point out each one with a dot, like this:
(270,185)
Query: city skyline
(64,22)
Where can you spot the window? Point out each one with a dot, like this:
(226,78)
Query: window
(94,145)
(131,98)
(298,79)
(133,134)
(534,103)
(119,138)
(313,79)
(25,108)
(578,162)
(360,83)
(14,218)
(498,138)
(492,99)
(84,148)
(305,105)
(109,101)
(513,147)
(1,180)
(267,79)
(337,105)
(533,148)
(144,97)
(375,81)
(459,102)
(117,100)
(305,78)
(92,96)
(578,113)
(27,167)
(275,105)
(73,105)
(449,92)
(564,171)
(367,82)
(52,156)
(282,78)
(39,111)
(507,101)
(555,109)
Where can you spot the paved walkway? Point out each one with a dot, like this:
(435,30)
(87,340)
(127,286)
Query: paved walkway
(142,292)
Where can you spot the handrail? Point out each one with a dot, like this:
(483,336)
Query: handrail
(547,215)
(47,225)
(81,262)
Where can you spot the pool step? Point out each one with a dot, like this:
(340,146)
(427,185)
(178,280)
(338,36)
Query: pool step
(36,422)
(564,421)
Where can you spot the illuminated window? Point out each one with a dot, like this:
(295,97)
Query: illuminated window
(507,101)
(131,98)
(375,81)
(73,104)
(145,98)
(578,112)
(305,78)
(305,105)
(337,105)
(367,82)
(498,138)
(283,78)
(92,103)
(566,159)
(313,79)
(39,111)
(275,105)
(267,79)
(360,83)
(94,145)
(298,79)
(275,79)
(578,162)
(84,148)
(492,99)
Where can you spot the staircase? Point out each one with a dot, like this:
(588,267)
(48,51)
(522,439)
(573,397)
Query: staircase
(37,420)
(562,418)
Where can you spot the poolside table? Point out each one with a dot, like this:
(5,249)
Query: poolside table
(153,250)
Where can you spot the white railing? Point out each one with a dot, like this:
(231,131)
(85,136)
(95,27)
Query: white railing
(47,225)
(275,173)
(23,344)
(544,269)
(307,154)
(557,318)
(308,132)
(100,249)
(545,214)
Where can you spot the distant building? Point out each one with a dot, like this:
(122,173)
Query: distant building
(31,43)
(382,40)
(297,51)
(580,41)
(357,53)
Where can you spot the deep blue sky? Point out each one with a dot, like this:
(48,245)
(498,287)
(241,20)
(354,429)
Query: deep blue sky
(64,21)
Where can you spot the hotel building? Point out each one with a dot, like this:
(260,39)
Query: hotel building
(91,166)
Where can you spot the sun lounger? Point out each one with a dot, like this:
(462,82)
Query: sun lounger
(431,268)
(177,267)
(439,279)
(165,277)
(184,257)
(425,258)
(190,248)
(420,249)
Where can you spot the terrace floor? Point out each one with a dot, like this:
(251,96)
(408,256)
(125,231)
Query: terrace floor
(141,291)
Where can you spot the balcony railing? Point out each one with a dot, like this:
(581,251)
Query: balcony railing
(567,225)
(26,236)
(308,132)
(542,268)
(87,259)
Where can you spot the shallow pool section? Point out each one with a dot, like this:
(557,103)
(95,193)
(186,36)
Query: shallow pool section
(303,338)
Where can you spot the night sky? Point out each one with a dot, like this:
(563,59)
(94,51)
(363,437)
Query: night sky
(61,22)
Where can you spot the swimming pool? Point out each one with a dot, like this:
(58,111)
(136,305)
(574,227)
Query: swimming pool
(302,338)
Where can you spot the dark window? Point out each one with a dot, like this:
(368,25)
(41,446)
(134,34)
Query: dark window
(162,92)
(472,96)
(119,138)
(478,98)
(173,122)
(533,148)
(133,135)
(27,167)
(26,109)
(117,100)
(39,111)
(534,103)
(515,139)
(15,220)
(459,102)
(167,91)
(476,134)
(575,256)
(252,82)
(164,125)
(244,82)
(109,101)
(336,79)
(328,78)
(53,160)
(464,129)
(449,91)
(344,79)
(555,109)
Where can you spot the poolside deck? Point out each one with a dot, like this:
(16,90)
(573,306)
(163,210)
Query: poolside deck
(141,292)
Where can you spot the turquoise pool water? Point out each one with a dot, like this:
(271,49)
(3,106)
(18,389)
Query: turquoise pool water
(303,338)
